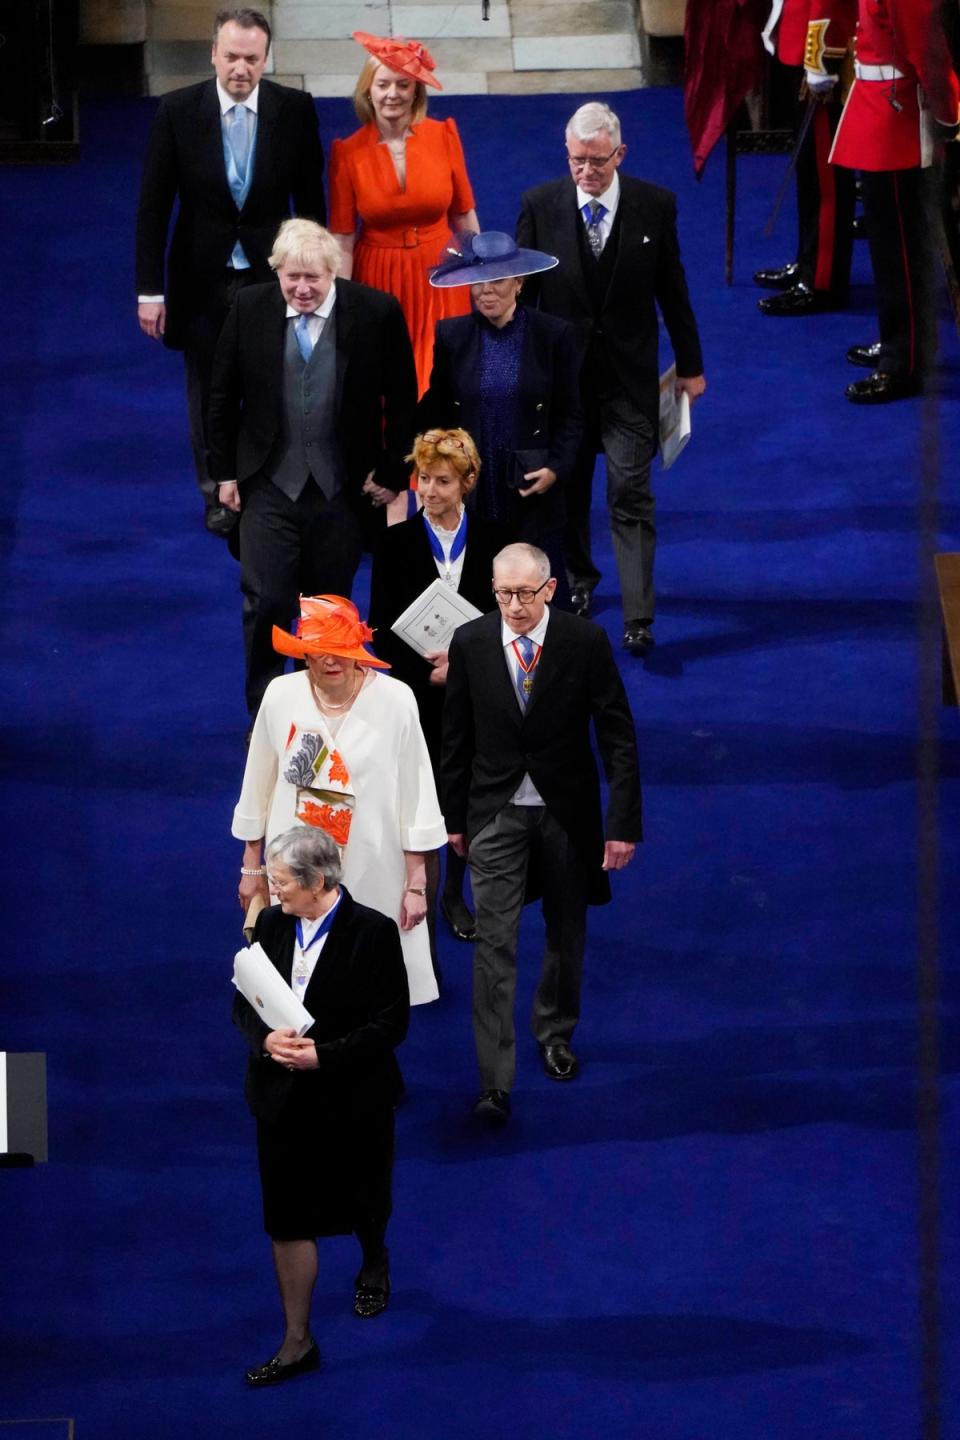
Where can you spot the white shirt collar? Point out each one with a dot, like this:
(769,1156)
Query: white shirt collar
(536,634)
(610,197)
(309,927)
(322,312)
(227,101)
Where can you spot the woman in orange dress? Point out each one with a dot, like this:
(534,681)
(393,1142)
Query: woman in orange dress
(404,179)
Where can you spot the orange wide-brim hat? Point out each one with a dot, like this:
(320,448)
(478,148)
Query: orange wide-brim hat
(328,625)
(407,57)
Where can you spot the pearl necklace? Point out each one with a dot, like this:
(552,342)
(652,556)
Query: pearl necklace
(328,707)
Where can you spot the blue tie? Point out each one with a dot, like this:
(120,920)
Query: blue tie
(238,138)
(302,332)
(593,213)
(527,650)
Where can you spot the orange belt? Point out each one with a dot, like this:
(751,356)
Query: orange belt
(408,237)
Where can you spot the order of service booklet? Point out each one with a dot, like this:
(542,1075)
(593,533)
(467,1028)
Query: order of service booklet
(674,418)
(429,622)
(262,985)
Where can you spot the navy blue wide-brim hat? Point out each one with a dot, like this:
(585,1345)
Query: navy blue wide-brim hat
(493,255)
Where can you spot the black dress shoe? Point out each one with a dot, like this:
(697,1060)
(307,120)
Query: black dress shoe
(637,637)
(371,1300)
(800,299)
(559,1061)
(493,1106)
(865,355)
(274,1372)
(880,388)
(580,600)
(458,917)
(780,278)
(219,520)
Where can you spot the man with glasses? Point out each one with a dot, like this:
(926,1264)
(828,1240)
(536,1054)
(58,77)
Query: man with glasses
(616,240)
(521,797)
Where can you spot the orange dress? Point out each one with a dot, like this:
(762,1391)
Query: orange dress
(403,232)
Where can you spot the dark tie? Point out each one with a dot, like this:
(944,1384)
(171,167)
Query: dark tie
(593,213)
(527,650)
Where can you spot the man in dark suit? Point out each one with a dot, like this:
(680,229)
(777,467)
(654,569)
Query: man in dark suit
(312,402)
(521,796)
(616,240)
(235,152)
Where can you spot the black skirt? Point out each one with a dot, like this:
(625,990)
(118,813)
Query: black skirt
(325,1170)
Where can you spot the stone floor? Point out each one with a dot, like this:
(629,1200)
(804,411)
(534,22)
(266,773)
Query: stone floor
(525,46)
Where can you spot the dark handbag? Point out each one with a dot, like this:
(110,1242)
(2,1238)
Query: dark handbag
(520,463)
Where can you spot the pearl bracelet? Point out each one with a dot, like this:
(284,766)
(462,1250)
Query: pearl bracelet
(245,870)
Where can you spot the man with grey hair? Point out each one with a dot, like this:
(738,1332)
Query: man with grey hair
(616,240)
(236,153)
(312,405)
(521,797)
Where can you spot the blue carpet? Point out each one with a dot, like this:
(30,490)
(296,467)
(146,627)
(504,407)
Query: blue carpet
(727,1229)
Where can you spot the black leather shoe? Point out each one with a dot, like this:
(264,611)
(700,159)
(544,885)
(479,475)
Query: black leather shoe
(800,299)
(637,637)
(580,600)
(559,1061)
(458,917)
(880,388)
(493,1106)
(779,279)
(865,355)
(274,1372)
(219,520)
(371,1300)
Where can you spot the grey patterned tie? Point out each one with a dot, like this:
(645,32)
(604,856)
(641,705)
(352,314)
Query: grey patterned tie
(593,213)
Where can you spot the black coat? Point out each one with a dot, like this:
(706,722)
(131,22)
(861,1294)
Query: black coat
(549,404)
(489,743)
(647,272)
(358,994)
(376,386)
(403,567)
(184,162)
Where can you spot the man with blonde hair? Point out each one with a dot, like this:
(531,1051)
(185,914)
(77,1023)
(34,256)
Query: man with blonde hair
(311,411)
(616,240)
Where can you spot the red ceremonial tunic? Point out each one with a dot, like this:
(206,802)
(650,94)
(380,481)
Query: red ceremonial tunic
(904,81)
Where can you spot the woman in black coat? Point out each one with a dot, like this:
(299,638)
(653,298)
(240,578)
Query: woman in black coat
(441,540)
(511,376)
(324,1102)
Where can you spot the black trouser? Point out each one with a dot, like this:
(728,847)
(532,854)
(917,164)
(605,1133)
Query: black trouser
(899,213)
(201,333)
(288,548)
(826,200)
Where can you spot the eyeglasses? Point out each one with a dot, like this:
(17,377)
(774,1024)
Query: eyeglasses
(592,162)
(524,596)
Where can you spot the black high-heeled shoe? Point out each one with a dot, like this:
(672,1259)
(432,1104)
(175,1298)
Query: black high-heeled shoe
(275,1372)
(371,1300)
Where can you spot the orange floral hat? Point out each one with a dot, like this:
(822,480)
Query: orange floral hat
(407,57)
(328,625)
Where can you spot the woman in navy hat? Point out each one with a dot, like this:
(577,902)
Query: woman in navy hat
(510,376)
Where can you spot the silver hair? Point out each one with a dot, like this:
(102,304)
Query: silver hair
(523,554)
(305,242)
(591,120)
(308,854)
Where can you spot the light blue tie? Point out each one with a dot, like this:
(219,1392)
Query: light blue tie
(302,332)
(238,138)
(527,650)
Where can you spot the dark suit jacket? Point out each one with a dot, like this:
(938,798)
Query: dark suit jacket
(376,386)
(358,994)
(403,567)
(489,743)
(647,272)
(184,162)
(549,398)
